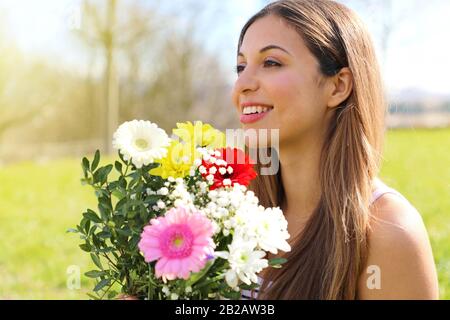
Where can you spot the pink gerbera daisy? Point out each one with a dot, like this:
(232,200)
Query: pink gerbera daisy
(180,241)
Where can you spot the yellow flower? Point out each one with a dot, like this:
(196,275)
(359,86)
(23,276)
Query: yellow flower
(201,135)
(178,162)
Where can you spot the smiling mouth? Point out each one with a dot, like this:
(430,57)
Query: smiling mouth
(252,114)
(256,110)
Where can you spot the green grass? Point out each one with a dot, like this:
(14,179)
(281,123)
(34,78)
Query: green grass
(40,201)
(417,163)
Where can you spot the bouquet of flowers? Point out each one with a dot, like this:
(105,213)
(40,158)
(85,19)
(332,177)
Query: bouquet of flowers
(175,219)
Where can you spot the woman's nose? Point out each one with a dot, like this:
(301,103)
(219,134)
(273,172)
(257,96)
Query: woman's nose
(246,81)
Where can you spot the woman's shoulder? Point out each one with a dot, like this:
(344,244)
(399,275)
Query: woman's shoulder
(399,249)
(392,212)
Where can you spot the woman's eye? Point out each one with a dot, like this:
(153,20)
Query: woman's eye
(239,68)
(271,63)
(267,63)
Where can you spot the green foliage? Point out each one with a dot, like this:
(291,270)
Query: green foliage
(111,233)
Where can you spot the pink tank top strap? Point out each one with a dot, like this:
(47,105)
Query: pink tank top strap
(382,189)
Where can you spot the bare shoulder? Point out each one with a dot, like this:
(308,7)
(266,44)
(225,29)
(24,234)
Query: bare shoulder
(400,261)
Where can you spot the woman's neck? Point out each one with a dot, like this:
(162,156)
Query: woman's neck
(300,165)
(300,176)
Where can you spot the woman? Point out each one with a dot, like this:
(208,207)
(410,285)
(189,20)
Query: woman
(311,67)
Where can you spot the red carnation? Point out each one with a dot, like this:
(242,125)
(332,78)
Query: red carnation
(237,169)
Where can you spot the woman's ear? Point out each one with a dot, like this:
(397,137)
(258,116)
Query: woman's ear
(341,87)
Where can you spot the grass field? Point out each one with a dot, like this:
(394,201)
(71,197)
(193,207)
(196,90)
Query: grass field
(40,201)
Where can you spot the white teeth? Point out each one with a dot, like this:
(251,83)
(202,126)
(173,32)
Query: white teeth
(255,109)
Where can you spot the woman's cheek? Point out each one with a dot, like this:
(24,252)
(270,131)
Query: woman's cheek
(286,88)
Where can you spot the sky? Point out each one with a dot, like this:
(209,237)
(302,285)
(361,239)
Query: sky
(419,52)
(418,56)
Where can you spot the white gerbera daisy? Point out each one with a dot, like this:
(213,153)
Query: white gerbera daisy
(141,141)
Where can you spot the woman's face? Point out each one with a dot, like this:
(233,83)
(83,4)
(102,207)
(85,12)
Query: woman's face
(285,79)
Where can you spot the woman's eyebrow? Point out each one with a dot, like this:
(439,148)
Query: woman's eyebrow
(269,47)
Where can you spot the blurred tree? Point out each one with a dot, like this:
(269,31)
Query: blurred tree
(189,84)
(152,59)
(191,81)
(101,32)
(147,61)
(114,28)
(10,58)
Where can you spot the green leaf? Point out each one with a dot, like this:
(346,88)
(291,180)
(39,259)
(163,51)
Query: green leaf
(92,230)
(93,297)
(105,208)
(86,181)
(118,220)
(121,203)
(134,241)
(150,166)
(101,175)
(194,278)
(277,261)
(123,183)
(104,234)
(86,247)
(131,214)
(118,166)
(106,250)
(118,194)
(99,192)
(112,294)
(95,161)
(95,274)
(96,260)
(105,202)
(85,164)
(143,213)
(87,226)
(106,170)
(124,232)
(121,157)
(91,215)
(233,295)
(72,230)
(102,284)
(249,287)
(152,199)
(80,228)
(136,177)
(96,241)
(113,185)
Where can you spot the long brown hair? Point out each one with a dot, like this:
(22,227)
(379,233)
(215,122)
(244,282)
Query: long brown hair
(328,257)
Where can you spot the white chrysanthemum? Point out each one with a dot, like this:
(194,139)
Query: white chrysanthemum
(271,231)
(141,141)
(245,262)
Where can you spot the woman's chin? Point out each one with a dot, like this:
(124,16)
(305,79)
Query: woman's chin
(260,137)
